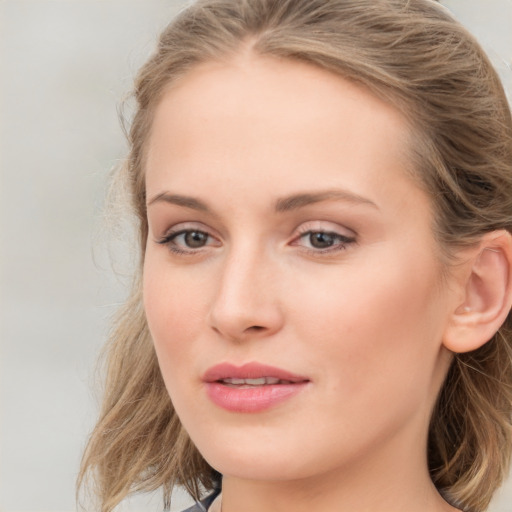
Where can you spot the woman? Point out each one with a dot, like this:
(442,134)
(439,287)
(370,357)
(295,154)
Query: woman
(321,317)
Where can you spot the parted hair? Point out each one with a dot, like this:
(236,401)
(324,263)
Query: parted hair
(412,54)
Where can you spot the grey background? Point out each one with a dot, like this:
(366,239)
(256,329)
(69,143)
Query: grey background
(65,65)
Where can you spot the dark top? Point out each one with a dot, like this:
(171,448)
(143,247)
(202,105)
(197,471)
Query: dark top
(204,505)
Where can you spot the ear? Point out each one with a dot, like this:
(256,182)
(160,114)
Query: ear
(486,297)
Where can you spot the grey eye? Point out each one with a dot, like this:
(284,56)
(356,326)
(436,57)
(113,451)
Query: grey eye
(195,239)
(320,240)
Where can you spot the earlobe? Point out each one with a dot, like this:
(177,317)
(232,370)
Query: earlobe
(487,297)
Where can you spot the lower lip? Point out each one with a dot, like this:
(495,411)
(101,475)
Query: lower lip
(251,399)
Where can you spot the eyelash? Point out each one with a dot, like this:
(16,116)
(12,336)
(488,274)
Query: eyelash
(342,241)
(169,241)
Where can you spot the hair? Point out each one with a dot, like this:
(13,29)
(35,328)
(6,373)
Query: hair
(412,54)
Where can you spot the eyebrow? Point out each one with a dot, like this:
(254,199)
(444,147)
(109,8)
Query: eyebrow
(179,200)
(301,200)
(282,205)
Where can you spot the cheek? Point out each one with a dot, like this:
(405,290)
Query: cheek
(381,325)
(175,311)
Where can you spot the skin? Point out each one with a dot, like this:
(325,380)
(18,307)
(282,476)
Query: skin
(364,320)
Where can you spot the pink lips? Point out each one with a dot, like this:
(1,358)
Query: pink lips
(252,387)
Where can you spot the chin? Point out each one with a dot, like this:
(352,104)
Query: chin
(253,456)
(266,468)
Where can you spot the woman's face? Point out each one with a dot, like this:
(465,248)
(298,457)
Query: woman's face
(289,246)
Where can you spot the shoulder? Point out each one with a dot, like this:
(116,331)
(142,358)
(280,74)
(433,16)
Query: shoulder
(195,508)
(204,504)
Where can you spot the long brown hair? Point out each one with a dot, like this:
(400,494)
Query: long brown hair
(415,56)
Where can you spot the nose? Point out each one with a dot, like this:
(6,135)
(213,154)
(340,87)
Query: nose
(246,304)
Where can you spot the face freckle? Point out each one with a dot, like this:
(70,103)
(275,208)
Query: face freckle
(359,316)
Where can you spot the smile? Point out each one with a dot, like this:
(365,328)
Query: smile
(249,383)
(252,387)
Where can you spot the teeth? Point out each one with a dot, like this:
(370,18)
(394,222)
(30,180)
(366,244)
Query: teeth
(260,381)
(236,382)
(256,382)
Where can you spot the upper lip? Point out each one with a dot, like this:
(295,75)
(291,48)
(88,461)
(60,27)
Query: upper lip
(249,371)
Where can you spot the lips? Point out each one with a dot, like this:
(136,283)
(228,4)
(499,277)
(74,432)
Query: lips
(249,371)
(252,387)
(261,381)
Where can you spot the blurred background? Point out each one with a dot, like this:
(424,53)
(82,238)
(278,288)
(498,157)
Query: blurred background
(64,67)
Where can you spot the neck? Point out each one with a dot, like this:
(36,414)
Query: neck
(393,483)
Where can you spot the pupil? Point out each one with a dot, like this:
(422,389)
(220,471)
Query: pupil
(195,239)
(321,240)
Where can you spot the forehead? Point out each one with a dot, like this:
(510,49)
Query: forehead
(280,92)
(292,121)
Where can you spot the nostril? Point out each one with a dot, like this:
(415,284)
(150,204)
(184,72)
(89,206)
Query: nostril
(256,328)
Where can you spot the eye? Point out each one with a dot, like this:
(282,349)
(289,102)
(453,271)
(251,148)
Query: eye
(320,241)
(192,239)
(186,241)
